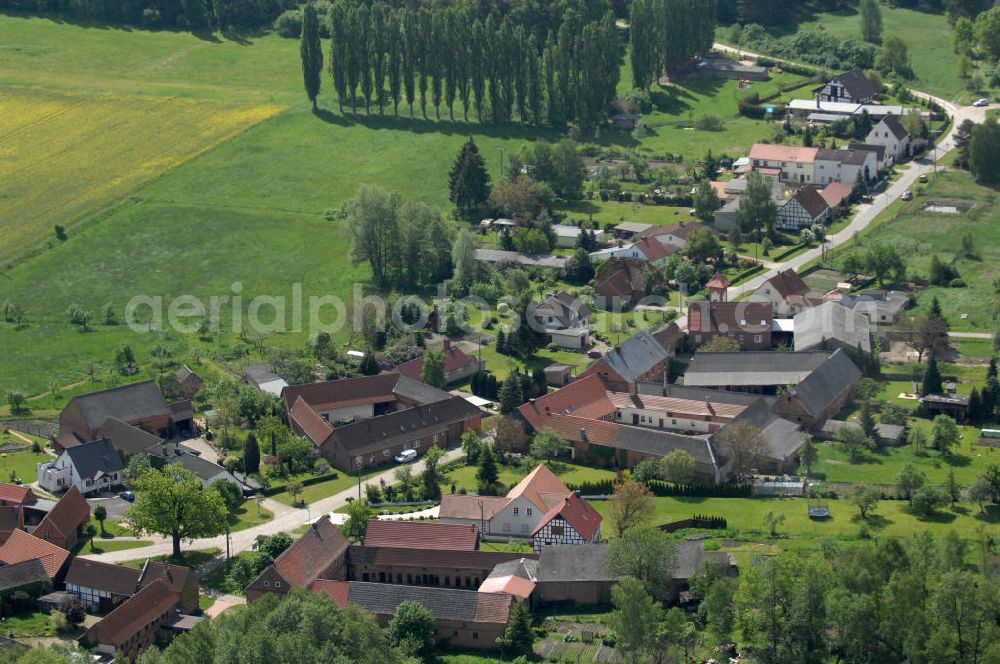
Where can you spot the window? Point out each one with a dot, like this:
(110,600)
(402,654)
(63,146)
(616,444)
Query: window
(267,584)
(517,510)
(529,511)
(758,338)
(277,584)
(475,635)
(506,527)
(385,452)
(524,528)
(558,530)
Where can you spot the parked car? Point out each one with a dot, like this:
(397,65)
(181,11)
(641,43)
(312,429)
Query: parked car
(907,196)
(127,495)
(923,177)
(594,354)
(406,456)
(981,102)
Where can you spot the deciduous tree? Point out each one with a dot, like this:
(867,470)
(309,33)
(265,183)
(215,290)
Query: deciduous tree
(631,505)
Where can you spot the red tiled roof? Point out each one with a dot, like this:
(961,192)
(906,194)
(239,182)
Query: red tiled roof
(655,250)
(17,495)
(310,555)
(680,230)
(718,281)
(333,394)
(493,608)
(788,282)
(586,397)
(454,359)
(142,609)
(69,514)
(116,579)
(575,511)
(416,535)
(458,506)
(21,546)
(11,518)
(835,193)
(720,190)
(811,201)
(774,152)
(669,336)
(730,316)
(536,485)
(313,425)
(338,590)
(572,428)
(512,585)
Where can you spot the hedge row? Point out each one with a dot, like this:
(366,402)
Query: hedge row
(309,481)
(665,489)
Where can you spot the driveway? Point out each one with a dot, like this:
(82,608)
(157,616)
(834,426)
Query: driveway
(286,521)
(113,504)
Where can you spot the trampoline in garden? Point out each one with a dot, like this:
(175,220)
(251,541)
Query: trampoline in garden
(818,510)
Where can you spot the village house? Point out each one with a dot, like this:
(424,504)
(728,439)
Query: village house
(890,134)
(136,624)
(518,514)
(806,208)
(441,568)
(787,294)
(514,577)
(64,524)
(844,166)
(13,495)
(458,366)
(127,439)
(571,522)
(90,468)
(574,576)
(28,577)
(836,194)
(749,324)
(462,618)
(187,383)
(364,422)
(832,325)
(794,164)
(21,546)
(882,158)
(319,553)
(103,586)
(727,217)
(674,235)
(882,307)
(851,87)
(565,319)
(639,358)
(620,283)
(140,404)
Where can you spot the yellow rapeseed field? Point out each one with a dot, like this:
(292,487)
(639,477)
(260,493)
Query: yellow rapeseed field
(63,157)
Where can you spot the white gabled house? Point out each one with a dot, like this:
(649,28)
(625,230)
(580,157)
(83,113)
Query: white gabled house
(805,209)
(573,521)
(90,467)
(890,134)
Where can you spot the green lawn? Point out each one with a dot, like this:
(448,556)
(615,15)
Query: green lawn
(745,518)
(881,467)
(193,559)
(919,235)
(501,365)
(101,545)
(928,36)
(24,465)
(30,625)
(613,212)
(248,515)
(569,473)
(314,492)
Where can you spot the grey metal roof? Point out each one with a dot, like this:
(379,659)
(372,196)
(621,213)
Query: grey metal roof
(574,562)
(443,603)
(22,574)
(98,456)
(542,260)
(127,438)
(830,380)
(525,568)
(127,403)
(419,392)
(783,436)
(637,355)
(751,368)
(661,443)
(831,321)
(695,393)
(259,374)
(383,431)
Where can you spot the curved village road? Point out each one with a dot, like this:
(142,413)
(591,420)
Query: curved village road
(866,213)
(287,521)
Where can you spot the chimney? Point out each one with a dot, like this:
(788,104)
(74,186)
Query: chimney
(583,434)
(632,388)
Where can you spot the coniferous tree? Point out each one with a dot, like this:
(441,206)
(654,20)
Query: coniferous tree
(425,48)
(311,51)
(379,33)
(932,377)
(511,393)
(394,58)
(411,55)
(468,181)
(339,49)
(251,454)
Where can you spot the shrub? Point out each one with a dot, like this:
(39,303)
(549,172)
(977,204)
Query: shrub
(709,122)
(289,23)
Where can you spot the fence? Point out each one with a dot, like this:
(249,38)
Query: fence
(40,428)
(708,522)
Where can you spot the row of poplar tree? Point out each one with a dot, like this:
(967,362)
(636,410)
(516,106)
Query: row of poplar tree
(501,70)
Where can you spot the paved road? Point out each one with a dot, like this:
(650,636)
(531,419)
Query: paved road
(286,519)
(867,213)
(970,335)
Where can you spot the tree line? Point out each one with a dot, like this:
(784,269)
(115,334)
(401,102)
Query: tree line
(383,56)
(666,34)
(153,14)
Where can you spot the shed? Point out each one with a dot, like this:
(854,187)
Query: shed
(558,375)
